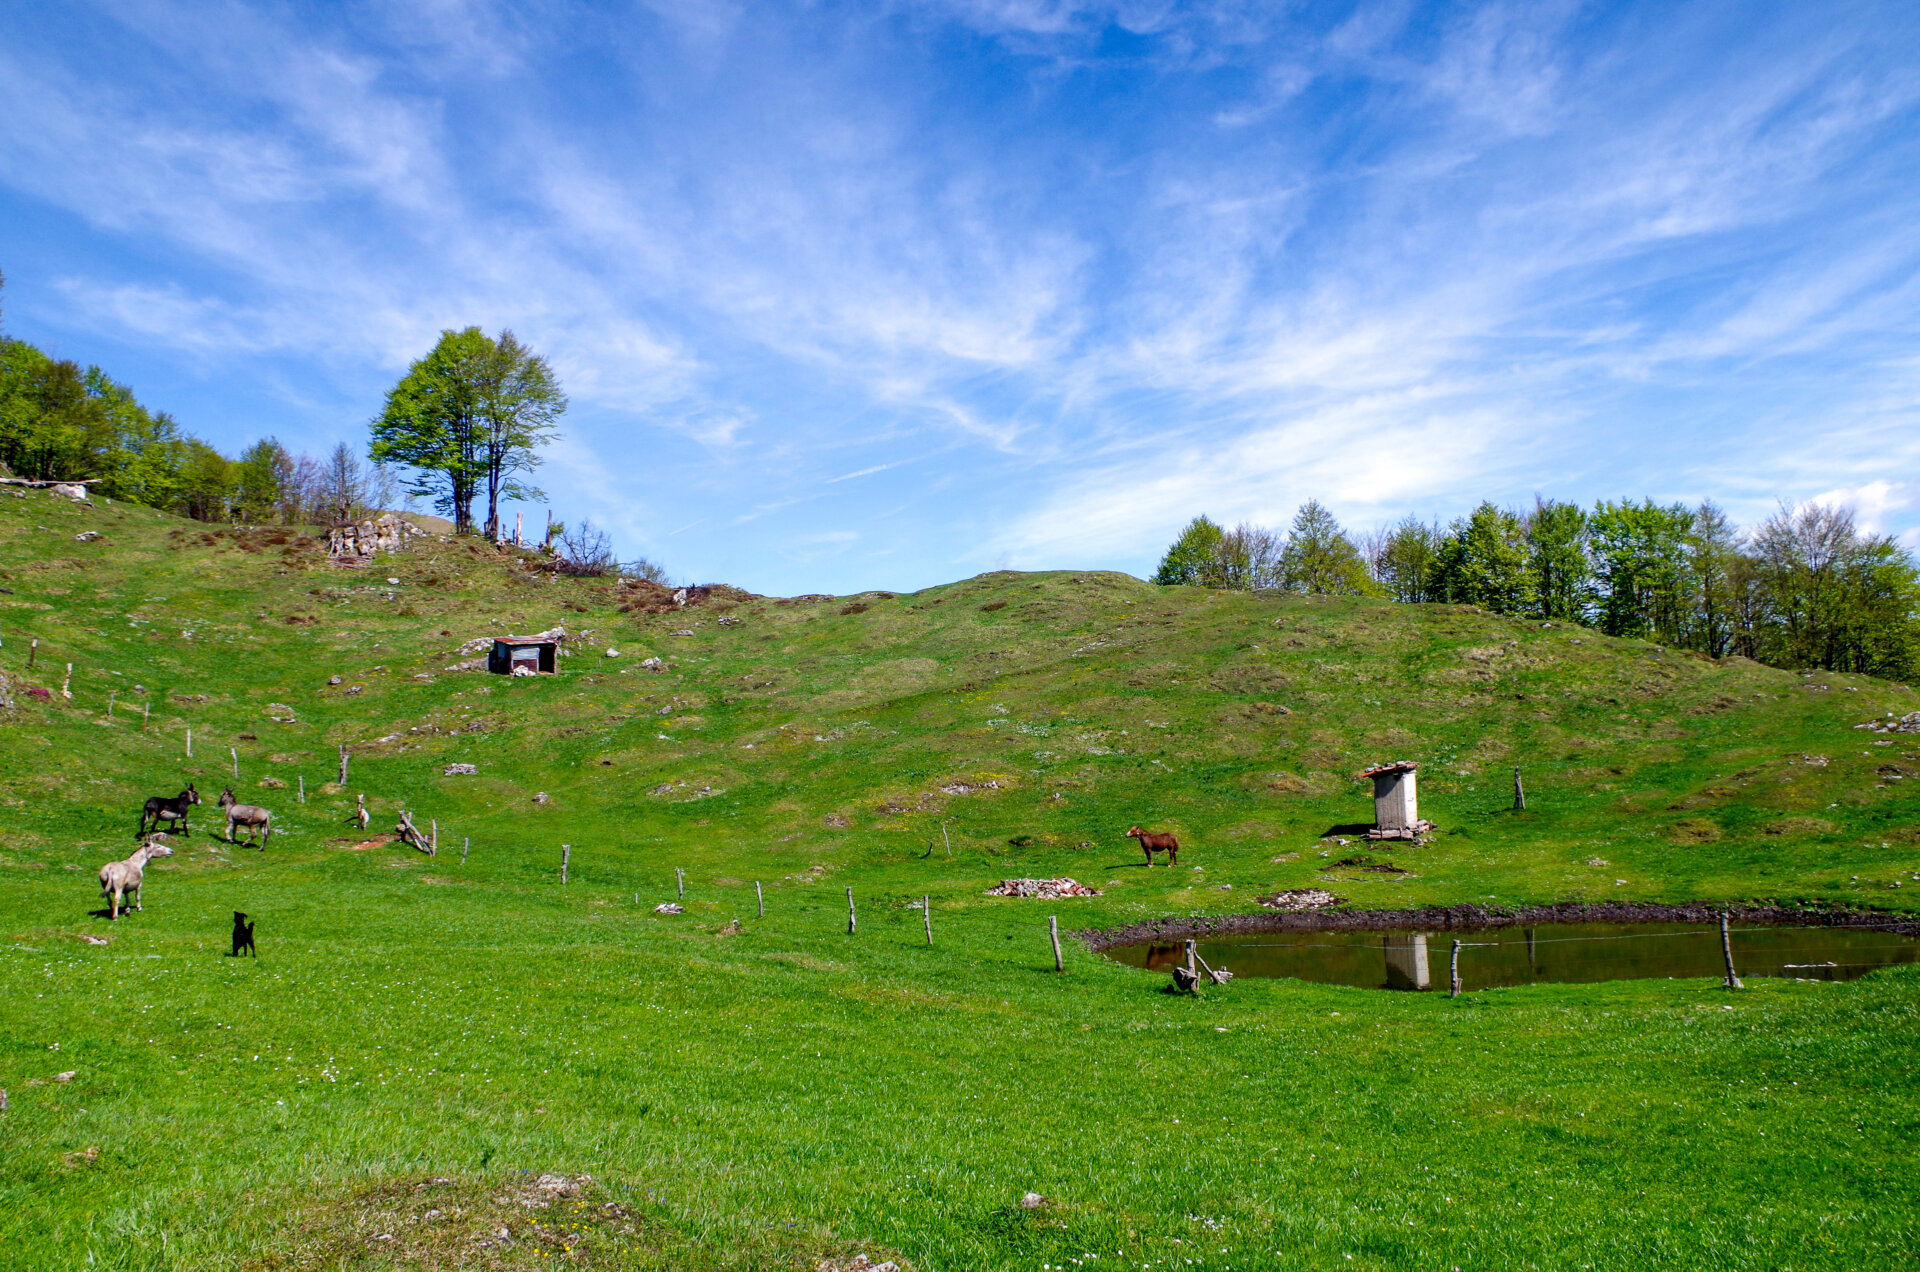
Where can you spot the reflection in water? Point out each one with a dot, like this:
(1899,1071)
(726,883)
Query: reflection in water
(1406,960)
(1546,953)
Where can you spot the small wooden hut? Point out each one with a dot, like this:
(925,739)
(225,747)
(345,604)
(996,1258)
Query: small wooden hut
(524,654)
(1396,803)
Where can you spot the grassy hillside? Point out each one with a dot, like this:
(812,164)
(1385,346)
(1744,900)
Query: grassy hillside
(787,1093)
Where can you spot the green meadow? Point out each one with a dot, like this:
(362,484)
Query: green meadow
(435,1063)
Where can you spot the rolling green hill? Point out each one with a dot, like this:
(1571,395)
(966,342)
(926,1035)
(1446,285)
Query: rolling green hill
(775,1092)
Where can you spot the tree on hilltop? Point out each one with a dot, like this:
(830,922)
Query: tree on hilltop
(1319,557)
(431,424)
(519,403)
(1189,557)
(1484,561)
(468,417)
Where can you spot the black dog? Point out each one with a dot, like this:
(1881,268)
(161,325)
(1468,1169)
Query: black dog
(242,935)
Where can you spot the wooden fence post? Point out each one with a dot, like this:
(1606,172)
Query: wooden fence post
(146,714)
(1726,951)
(303,789)
(566,854)
(343,764)
(679,884)
(926,916)
(66,686)
(1453,970)
(1519,791)
(235,753)
(435,841)
(1192,954)
(465,843)
(1053,934)
(943,837)
(189,743)
(33,651)
(759,899)
(110,697)
(851,921)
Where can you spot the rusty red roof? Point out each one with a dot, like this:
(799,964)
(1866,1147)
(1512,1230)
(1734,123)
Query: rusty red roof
(1397,766)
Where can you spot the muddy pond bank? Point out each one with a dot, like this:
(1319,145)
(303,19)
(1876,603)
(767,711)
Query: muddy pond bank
(1485,948)
(1474,918)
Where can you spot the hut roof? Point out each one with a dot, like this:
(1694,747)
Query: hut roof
(1397,766)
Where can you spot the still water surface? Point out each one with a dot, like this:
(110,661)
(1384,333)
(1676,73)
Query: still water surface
(1536,955)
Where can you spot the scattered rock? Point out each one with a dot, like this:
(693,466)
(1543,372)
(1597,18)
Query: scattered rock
(76,493)
(85,1157)
(1047,889)
(392,580)
(670,907)
(333,680)
(87,536)
(682,633)
(272,783)
(860,1263)
(1032,1201)
(1297,900)
(93,940)
(1909,723)
(354,689)
(356,544)
(654,665)
(962,788)
(540,797)
(731,929)
(461,770)
(613,653)
(68,1076)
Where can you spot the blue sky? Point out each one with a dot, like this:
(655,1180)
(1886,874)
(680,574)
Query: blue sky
(853,296)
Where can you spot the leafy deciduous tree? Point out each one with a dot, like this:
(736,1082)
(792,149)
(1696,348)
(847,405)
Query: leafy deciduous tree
(1190,555)
(1319,557)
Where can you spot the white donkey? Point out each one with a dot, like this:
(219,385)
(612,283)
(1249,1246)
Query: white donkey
(118,878)
(257,820)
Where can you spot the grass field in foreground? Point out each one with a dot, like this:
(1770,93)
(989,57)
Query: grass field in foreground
(791,1094)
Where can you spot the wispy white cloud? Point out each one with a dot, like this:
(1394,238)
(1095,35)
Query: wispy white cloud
(1113,264)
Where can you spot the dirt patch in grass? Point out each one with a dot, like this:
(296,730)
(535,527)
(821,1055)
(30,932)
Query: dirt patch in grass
(1693,830)
(524,1221)
(528,1220)
(1800,826)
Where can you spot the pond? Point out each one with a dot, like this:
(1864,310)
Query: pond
(1540,954)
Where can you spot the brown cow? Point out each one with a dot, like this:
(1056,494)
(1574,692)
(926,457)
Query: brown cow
(1151,843)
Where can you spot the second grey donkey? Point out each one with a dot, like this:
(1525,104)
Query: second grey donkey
(257,820)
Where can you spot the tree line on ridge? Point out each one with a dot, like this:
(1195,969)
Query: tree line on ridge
(1806,588)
